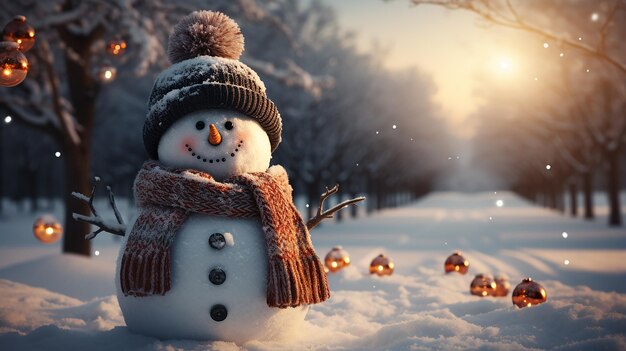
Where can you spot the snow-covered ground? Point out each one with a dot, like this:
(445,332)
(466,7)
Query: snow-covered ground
(60,302)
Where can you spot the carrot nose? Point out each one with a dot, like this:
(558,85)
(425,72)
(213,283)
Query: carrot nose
(214,135)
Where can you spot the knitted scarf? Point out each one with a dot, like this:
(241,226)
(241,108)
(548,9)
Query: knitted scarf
(166,197)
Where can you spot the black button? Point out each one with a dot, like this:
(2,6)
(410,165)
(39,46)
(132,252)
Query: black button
(217,276)
(217,241)
(219,312)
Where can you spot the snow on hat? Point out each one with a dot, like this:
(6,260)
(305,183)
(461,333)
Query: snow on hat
(206,73)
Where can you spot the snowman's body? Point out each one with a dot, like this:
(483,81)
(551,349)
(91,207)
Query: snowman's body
(209,112)
(184,312)
(238,286)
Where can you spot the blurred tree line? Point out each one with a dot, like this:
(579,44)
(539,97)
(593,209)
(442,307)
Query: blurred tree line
(346,119)
(563,129)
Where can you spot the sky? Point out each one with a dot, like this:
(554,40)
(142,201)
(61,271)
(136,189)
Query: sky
(455,47)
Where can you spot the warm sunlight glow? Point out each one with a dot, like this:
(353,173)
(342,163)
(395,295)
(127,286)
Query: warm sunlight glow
(505,65)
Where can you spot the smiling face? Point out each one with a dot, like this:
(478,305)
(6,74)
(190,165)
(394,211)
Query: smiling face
(222,143)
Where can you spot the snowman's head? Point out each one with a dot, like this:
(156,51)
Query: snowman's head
(222,143)
(209,111)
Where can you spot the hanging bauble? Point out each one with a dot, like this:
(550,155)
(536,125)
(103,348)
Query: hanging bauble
(19,31)
(528,293)
(116,46)
(483,285)
(337,259)
(502,286)
(47,229)
(456,263)
(13,64)
(106,73)
(381,265)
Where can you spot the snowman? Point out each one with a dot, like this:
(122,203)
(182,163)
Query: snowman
(218,250)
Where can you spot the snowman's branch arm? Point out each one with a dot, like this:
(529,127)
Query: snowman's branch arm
(118,228)
(323,214)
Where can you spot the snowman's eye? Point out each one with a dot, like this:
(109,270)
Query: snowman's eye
(199,125)
(228,125)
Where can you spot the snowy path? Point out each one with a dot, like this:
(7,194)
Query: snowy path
(418,307)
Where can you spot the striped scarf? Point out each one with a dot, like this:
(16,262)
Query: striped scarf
(166,197)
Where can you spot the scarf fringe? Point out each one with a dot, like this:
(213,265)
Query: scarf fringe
(295,282)
(146,274)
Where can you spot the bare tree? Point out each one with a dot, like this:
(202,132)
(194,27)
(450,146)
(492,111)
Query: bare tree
(59,96)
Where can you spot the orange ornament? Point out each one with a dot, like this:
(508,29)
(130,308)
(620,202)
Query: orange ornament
(19,31)
(456,263)
(47,229)
(13,64)
(502,286)
(381,265)
(337,259)
(483,285)
(528,293)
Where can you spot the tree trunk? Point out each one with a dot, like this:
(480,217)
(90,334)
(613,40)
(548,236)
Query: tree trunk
(573,199)
(76,179)
(83,90)
(613,188)
(588,194)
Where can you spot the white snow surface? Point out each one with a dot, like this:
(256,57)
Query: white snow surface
(60,302)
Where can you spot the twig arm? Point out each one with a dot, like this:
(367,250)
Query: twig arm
(118,228)
(323,214)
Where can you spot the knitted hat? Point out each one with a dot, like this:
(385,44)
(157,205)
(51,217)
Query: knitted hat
(206,74)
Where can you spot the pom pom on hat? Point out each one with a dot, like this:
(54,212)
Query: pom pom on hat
(205,33)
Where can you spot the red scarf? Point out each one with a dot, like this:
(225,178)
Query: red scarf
(165,198)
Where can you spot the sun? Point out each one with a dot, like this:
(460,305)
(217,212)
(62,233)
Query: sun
(505,65)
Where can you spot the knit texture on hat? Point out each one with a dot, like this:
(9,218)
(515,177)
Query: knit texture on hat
(207,82)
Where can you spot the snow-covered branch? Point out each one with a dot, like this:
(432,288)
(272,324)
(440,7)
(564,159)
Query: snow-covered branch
(292,76)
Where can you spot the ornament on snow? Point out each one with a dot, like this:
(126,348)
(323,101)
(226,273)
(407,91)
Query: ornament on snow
(456,263)
(106,73)
(47,229)
(19,31)
(381,265)
(528,293)
(502,286)
(116,46)
(483,285)
(13,64)
(337,259)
